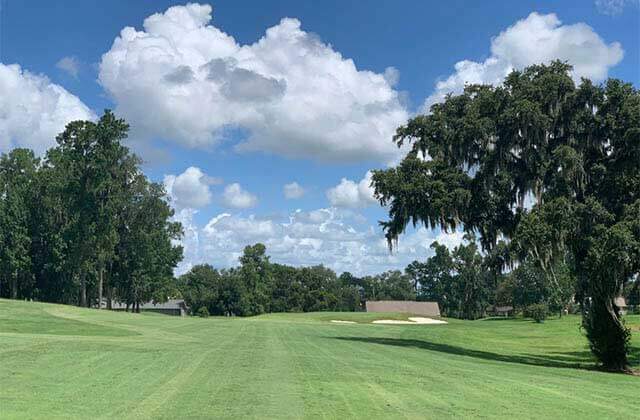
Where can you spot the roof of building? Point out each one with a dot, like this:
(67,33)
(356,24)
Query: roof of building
(503,308)
(169,304)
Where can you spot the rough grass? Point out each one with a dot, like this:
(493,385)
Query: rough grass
(65,362)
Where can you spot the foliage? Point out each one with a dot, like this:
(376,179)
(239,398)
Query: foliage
(17,199)
(537,311)
(259,286)
(203,312)
(573,150)
(459,281)
(85,220)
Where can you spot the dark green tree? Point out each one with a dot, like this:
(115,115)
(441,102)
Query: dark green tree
(146,256)
(573,148)
(255,270)
(17,200)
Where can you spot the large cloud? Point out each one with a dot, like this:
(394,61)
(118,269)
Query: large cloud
(183,79)
(33,110)
(351,194)
(536,39)
(336,238)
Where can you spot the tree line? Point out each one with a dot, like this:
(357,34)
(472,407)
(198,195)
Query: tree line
(465,283)
(259,286)
(83,225)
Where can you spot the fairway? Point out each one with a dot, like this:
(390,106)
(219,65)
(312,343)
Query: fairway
(65,362)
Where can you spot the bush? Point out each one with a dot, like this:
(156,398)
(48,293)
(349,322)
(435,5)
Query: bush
(537,311)
(203,312)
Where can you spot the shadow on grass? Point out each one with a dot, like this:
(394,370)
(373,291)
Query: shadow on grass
(570,360)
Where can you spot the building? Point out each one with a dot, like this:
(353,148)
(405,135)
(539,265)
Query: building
(176,307)
(405,306)
(504,311)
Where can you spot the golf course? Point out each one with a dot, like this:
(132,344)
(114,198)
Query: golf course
(66,362)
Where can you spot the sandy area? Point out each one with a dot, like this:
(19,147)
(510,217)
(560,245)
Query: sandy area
(416,320)
(337,321)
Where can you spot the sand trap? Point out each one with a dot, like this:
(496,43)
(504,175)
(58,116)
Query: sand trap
(337,321)
(416,320)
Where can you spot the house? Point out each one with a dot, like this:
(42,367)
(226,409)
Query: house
(622,304)
(176,307)
(406,306)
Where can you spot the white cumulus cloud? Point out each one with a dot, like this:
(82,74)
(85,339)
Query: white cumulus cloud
(190,189)
(236,197)
(533,40)
(33,110)
(292,191)
(351,194)
(183,79)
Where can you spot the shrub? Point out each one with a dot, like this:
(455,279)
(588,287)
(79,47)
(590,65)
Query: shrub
(537,311)
(203,312)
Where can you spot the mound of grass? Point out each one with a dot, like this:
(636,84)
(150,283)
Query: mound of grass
(34,319)
(301,366)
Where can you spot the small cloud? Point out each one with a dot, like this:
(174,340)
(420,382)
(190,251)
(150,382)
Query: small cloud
(293,191)
(612,7)
(70,65)
(236,197)
(351,194)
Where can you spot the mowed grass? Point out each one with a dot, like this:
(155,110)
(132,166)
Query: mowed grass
(65,362)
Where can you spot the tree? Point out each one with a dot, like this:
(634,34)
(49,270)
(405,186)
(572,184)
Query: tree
(541,238)
(146,256)
(96,169)
(390,285)
(470,281)
(572,149)
(17,199)
(434,278)
(255,270)
(200,288)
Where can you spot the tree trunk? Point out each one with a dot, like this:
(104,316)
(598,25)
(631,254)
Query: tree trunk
(14,286)
(83,290)
(109,298)
(100,284)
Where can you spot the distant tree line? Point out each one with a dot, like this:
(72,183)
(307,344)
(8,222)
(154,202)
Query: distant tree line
(259,286)
(83,224)
(464,282)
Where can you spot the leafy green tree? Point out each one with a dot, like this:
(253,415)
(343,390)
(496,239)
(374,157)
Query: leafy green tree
(96,168)
(434,278)
(200,287)
(541,238)
(255,270)
(574,149)
(146,256)
(17,199)
(470,281)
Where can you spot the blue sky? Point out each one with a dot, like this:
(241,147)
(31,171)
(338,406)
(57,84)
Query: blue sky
(226,121)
